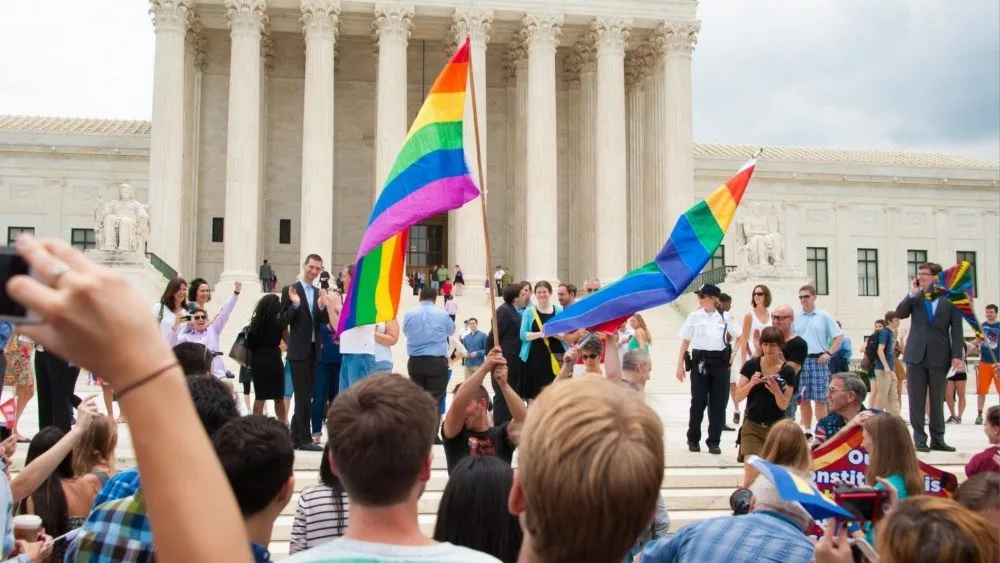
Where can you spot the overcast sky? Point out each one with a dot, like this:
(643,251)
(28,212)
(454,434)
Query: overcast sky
(912,74)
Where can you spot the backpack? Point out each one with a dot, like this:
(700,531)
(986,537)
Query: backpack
(871,350)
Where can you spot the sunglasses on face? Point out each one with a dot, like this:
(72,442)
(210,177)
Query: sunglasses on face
(833,390)
(199,318)
(780,317)
(589,356)
(591,290)
(758,294)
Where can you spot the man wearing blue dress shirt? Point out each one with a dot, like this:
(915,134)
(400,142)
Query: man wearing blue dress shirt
(427,330)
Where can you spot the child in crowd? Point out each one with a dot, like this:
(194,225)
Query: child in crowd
(988,459)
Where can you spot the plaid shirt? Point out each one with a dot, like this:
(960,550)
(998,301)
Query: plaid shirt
(114,531)
(761,536)
(121,485)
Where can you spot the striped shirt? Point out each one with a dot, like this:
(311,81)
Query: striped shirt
(317,518)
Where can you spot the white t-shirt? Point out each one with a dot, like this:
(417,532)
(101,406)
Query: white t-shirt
(348,550)
(358,340)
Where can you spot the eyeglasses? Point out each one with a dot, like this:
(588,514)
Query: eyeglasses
(832,389)
(591,290)
(780,317)
(804,296)
(589,356)
(758,294)
(199,318)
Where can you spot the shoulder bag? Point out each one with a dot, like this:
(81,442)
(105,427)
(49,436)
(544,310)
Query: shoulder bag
(552,357)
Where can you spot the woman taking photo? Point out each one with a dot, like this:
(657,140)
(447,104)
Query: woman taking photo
(641,338)
(767,383)
(266,368)
(540,355)
(200,331)
(171,306)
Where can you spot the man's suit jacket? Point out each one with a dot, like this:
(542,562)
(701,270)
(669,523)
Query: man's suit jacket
(932,342)
(509,326)
(303,324)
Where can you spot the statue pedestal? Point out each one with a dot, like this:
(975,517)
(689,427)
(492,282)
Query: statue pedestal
(783,282)
(136,268)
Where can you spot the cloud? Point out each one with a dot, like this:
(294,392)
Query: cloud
(889,74)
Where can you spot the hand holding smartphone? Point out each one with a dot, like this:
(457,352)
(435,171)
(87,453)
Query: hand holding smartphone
(11,264)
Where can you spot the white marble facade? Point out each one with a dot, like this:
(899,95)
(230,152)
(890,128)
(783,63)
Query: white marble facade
(320,109)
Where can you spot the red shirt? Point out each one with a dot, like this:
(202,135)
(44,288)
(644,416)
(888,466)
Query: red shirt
(446,288)
(982,462)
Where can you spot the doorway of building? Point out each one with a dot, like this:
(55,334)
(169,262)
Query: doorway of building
(428,247)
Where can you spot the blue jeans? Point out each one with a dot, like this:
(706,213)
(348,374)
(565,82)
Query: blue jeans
(354,368)
(383,366)
(324,391)
(793,406)
(288,380)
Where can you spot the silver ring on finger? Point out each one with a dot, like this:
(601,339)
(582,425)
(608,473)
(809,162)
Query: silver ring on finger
(56,271)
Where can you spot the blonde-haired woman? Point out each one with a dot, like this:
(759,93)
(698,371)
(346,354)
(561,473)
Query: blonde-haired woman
(95,452)
(641,339)
(786,445)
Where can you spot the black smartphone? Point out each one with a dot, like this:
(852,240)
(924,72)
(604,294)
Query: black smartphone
(11,264)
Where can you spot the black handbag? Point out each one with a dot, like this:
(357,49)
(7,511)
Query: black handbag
(242,351)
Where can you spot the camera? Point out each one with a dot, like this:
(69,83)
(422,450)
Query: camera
(739,501)
(324,280)
(866,504)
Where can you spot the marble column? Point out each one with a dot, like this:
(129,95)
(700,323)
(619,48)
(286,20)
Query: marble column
(679,156)
(510,149)
(655,222)
(194,69)
(612,35)
(585,214)
(166,145)
(320,20)
(571,67)
(634,78)
(518,182)
(892,270)
(246,20)
(466,235)
(390,36)
(543,33)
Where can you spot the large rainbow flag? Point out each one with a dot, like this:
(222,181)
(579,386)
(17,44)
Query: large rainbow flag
(430,176)
(955,284)
(695,238)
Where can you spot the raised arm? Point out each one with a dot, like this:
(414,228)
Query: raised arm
(391,335)
(222,318)
(289,305)
(612,361)
(455,417)
(514,401)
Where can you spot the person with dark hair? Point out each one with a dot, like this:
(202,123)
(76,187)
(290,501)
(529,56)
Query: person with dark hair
(477,491)
(200,330)
(934,343)
(266,367)
(384,482)
(980,493)
(265,273)
(171,306)
(117,519)
(541,355)
(767,383)
(508,317)
(257,455)
(303,311)
(988,368)
(987,460)
(474,342)
(466,428)
(199,294)
(195,359)
(321,513)
(428,330)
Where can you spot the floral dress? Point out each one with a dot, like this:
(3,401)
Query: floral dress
(18,356)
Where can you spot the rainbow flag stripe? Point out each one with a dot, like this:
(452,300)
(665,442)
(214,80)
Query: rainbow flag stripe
(956,285)
(695,238)
(430,176)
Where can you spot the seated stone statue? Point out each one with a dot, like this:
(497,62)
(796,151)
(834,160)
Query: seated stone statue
(122,224)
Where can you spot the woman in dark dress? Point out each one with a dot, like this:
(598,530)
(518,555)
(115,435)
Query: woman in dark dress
(266,368)
(538,370)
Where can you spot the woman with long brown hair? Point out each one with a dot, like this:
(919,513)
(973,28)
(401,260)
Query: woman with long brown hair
(787,446)
(641,338)
(892,458)
(170,308)
(95,452)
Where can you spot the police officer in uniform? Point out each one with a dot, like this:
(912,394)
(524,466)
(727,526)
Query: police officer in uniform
(704,332)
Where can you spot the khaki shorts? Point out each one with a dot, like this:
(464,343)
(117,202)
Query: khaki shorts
(752,438)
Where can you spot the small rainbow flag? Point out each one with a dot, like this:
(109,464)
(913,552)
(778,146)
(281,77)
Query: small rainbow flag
(430,176)
(956,285)
(695,238)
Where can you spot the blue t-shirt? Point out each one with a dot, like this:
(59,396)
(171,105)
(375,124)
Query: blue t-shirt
(887,338)
(992,333)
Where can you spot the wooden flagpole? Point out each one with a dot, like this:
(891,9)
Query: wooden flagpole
(482,199)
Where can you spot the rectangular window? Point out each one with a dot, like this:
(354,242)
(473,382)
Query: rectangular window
(914,258)
(82,238)
(718,259)
(867,271)
(13,232)
(218,228)
(970,257)
(816,268)
(285,231)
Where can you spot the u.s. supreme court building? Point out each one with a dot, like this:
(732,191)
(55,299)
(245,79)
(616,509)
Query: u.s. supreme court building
(275,122)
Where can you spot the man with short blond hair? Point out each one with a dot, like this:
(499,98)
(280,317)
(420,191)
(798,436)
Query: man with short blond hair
(611,443)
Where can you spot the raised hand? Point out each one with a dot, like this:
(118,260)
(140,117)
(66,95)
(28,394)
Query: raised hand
(293,295)
(500,375)
(756,378)
(237,287)
(571,355)
(494,358)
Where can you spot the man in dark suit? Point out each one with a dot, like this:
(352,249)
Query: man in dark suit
(935,344)
(515,298)
(303,311)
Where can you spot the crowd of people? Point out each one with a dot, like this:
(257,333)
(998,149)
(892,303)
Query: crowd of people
(590,450)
